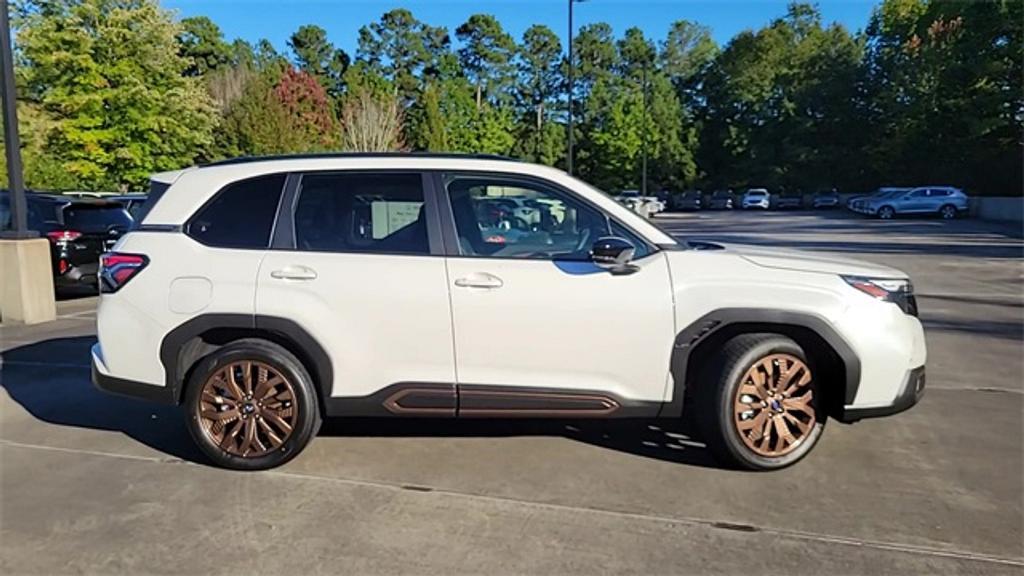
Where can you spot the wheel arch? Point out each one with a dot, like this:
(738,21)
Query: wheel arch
(694,346)
(183,347)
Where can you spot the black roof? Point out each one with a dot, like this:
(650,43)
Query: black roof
(314,156)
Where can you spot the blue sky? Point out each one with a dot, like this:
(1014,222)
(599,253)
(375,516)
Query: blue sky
(277,19)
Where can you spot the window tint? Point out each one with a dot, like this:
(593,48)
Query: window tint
(89,218)
(507,218)
(919,194)
(241,215)
(362,212)
(42,215)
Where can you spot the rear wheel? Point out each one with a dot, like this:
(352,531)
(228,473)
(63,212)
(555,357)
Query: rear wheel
(948,212)
(886,212)
(758,403)
(251,405)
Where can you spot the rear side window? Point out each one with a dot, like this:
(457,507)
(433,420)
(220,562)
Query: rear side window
(241,215)
(361,212)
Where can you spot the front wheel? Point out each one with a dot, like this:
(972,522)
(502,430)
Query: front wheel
(758,405)
(886,212)
(251,405)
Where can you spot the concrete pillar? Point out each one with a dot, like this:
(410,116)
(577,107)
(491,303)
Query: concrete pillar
(26,282)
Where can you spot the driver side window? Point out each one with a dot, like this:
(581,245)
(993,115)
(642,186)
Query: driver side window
(500,217)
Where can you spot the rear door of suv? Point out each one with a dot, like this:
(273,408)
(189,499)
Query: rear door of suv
(357,262)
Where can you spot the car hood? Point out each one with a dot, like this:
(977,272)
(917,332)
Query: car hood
(811,262)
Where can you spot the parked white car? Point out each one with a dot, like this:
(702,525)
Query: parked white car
(644,205)
(265,294)
(756,198)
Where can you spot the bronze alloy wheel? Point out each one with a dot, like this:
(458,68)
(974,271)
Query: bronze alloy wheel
(774,409)
(247,408)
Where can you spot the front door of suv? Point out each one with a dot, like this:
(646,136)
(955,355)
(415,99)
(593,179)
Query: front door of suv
(534,318)
(357,264)
(914,202)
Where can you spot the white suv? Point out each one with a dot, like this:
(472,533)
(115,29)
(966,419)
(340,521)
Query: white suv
(266,294)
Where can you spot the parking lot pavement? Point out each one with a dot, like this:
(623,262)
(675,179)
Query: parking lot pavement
(93,483)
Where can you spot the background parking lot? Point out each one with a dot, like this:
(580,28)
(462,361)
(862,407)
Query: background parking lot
(102,484)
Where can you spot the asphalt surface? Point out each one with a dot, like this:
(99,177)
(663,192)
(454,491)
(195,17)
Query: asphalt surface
(97,484)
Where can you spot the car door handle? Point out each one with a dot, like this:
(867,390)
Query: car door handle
(479,280)
(294,273)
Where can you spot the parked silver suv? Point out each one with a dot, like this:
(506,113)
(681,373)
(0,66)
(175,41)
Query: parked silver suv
(945,201)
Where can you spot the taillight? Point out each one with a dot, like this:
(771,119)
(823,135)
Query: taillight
(117,268)
(57,236)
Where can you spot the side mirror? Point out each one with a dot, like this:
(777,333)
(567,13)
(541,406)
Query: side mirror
(613,254)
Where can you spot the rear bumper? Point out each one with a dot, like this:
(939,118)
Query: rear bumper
(80,275)
(910,393)
(113,385)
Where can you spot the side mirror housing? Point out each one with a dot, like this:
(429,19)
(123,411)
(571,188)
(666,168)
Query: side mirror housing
(613,254)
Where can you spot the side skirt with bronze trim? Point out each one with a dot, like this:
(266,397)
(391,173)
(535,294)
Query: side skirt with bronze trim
(421,399)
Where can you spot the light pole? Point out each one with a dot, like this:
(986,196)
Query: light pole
(571,64)
(643,136)
(19,223)
(26,278)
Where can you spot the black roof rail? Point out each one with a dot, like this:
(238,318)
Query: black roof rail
(325,155)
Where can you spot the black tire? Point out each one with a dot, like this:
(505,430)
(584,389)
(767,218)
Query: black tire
(886,212)
(948,212)
(306,413)
(717,391)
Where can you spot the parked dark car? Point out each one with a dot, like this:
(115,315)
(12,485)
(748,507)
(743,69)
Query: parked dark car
(132,203)
(79,230)
(788,201)
(689,200)
(721,200)
(828,199)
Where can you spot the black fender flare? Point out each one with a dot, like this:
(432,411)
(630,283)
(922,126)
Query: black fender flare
(282,330)
(761,319)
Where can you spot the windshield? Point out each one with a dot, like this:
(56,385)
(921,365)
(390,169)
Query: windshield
(96,218)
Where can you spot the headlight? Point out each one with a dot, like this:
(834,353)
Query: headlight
(896,290)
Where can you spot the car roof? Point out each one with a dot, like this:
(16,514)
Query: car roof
(334,155)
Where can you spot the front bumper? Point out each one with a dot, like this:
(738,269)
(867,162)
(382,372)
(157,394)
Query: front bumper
(121,387)
(909,394)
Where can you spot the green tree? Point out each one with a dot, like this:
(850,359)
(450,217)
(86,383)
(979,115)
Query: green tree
(116,90)
(404,50)
(538,61)
(685,56)
(202,43)
(486,55)
(943,90)
(316,56)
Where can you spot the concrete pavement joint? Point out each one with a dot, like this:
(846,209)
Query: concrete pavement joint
(695,522)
